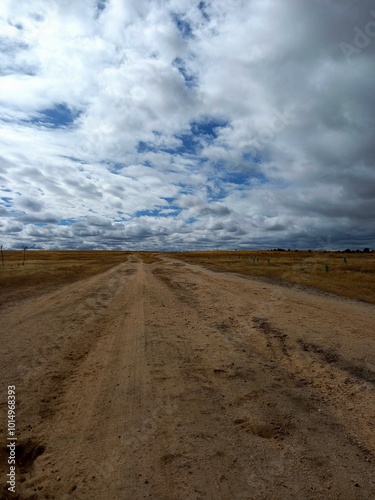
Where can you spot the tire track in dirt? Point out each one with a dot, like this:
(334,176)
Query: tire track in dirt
(101,404)
(76,403)
(181,449)
(317,393)
(169,381)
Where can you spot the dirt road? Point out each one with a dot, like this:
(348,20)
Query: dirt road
(168,381)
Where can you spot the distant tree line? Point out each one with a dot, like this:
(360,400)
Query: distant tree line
(365,250)
(348,250)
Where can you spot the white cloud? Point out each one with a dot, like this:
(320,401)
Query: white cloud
(99,113)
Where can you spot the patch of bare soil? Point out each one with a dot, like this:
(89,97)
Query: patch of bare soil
(165,380)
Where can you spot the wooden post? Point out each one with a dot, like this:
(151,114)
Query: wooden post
(24,255)
(2,255)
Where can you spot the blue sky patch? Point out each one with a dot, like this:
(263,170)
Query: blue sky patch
(190,220)
(58,117)
(147,213)
(145,147)
(158,212)
(7,201)
(243,178)
(67,222)
(205,129)
(202,7)
(208,127)
(190,144)
(253,157)
(76,160)
(100,7)
(190,80)
(183,26)
(236,178)
(101,4)
(168,200)
(114,168)
(216,194)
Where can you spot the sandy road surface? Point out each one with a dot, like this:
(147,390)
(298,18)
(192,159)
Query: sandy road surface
(169,381)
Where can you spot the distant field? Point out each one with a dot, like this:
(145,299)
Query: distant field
(45,270)
(354,278)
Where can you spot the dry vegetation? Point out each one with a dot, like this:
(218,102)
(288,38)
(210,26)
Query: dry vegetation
(47,270)
(148,257)
(351,275)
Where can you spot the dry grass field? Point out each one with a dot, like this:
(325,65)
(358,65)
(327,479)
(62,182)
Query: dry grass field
(351,275)
(46,270)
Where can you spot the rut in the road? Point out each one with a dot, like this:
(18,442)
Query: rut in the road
(169,381)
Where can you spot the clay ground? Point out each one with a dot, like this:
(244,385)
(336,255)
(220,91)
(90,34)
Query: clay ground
(166,380)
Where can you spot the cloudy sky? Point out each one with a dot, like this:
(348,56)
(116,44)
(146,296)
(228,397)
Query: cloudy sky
(187,124)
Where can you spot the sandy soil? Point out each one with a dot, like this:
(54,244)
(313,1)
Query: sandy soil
(169,381)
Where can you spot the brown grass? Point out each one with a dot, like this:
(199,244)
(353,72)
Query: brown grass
(354,279)
(148,257)
(46,270)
